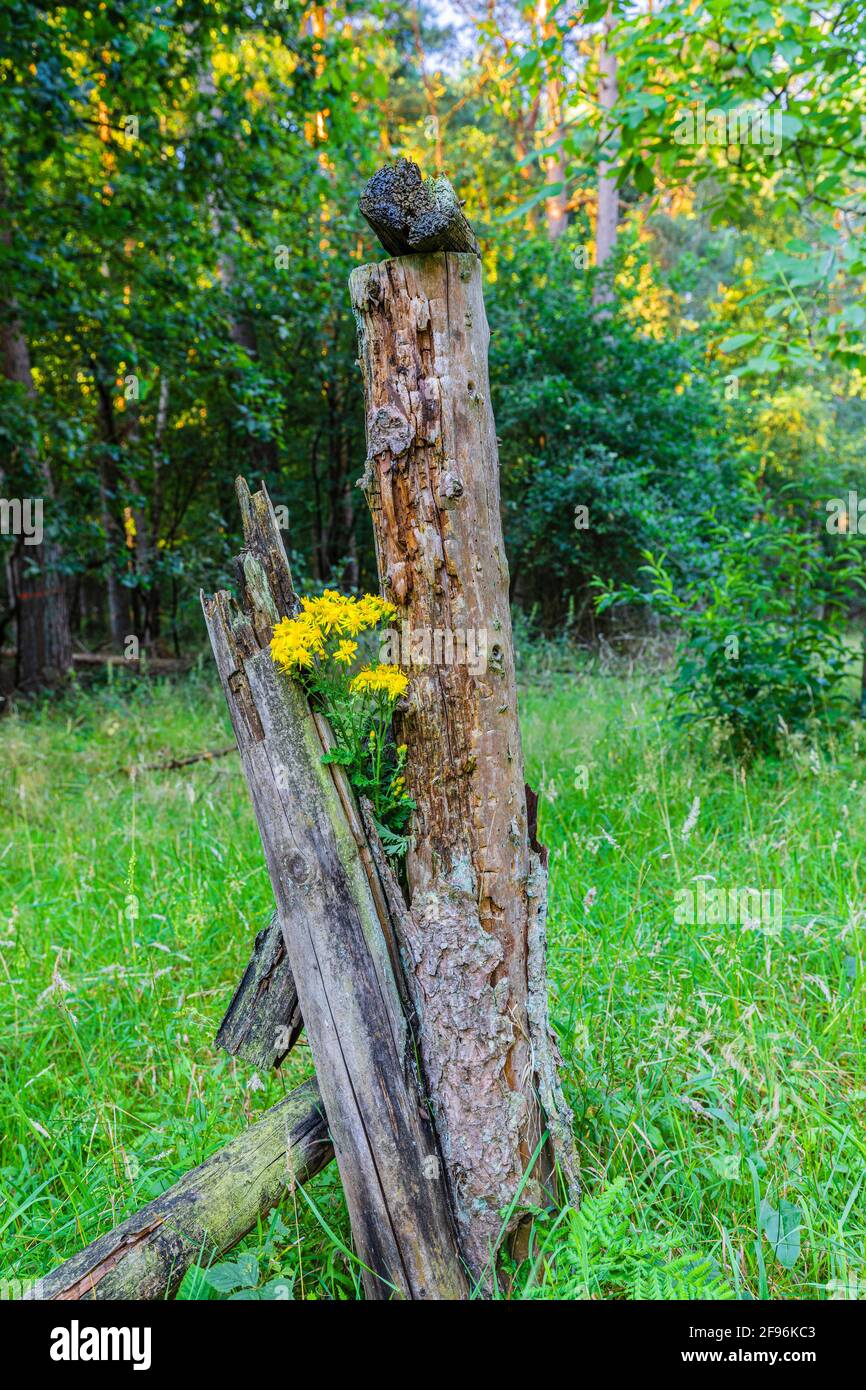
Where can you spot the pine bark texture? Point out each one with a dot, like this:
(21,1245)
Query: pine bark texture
(335,928)
(203,1215)
(473,938)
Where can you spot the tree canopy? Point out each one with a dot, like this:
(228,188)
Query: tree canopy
(179,187)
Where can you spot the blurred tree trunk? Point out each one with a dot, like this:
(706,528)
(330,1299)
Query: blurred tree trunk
(148,548)
(44,642)
(109,493)
(556,207)
(608,193)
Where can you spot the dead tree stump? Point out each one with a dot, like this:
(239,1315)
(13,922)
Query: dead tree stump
(474,936)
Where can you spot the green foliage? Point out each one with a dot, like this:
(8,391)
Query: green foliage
(174,344)
(782,1226)
(376,767)
(259,1275)
(606,419)
(763,647)
(607,1251)
(182,289)
(233,1280)
(795,66)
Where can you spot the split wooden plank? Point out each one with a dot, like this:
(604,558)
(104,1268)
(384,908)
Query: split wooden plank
(263,1021)
(362,1046)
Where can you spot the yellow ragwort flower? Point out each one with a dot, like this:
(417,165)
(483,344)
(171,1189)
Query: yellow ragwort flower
(381,679)
(346,651)
(296,642)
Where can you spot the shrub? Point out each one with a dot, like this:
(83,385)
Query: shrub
(601,416)
(763,634)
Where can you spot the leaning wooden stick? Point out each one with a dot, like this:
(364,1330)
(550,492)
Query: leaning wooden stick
(362,1046)
(263,1021)
(203,1215)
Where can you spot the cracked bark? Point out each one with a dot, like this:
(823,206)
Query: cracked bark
(473,940)
(409,213)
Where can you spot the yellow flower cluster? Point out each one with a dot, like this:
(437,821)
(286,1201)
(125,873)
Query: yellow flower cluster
(297,642)
(345,614)
(384,680)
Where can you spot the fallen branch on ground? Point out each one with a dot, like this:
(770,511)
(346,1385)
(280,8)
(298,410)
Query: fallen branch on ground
(154,665)
(171,764)
(203,1215)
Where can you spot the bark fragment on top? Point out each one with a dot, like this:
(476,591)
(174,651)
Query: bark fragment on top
(412,214)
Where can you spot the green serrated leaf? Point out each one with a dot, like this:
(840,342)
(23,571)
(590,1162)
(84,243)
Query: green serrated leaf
(227,1277)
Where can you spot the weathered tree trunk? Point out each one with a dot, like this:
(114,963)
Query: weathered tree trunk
(335,931)
(203,1215)
(474,938)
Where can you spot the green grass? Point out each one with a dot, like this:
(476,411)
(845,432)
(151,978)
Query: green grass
(712,1069)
